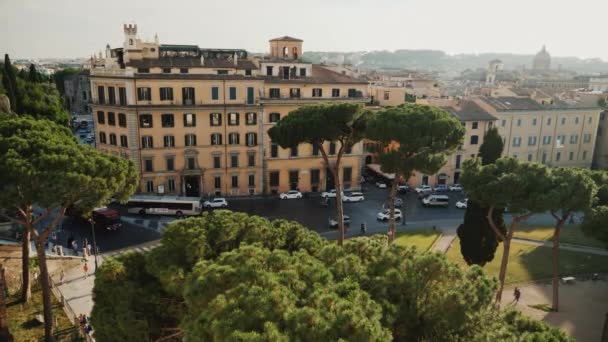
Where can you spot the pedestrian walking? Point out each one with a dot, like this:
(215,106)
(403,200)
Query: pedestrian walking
(61,277)
(86,269)
(516,295)
(89,249)
(363,228)
(75,247)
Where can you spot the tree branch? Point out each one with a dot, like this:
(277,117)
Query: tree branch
(177,334)
(493,225)
(12,219)
(43,216)
(53,224)
(555,215)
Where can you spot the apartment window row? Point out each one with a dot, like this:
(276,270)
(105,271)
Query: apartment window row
(534,121)
(122,119)
(294,151)
(561,139)
(251,139)
(103,139)
(316,92)
(111,98)
(190,162)
(294,177)
(189,119)
(189,94)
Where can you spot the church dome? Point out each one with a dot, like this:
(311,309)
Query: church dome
(542,60)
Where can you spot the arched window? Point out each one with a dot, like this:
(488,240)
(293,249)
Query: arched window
(295,52)
(130,41)
(285,51)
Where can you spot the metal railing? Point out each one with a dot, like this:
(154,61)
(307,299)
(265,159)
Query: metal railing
(69,311)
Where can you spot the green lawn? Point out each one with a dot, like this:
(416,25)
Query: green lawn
(22,324)
(528,262)
(421,239)
(571,233)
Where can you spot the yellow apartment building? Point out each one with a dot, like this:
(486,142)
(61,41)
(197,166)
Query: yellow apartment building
(194,120)
(554,134)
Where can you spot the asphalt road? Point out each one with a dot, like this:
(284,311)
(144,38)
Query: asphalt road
(310,212)
(107,241)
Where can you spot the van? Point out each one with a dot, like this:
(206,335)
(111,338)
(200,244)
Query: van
(436,201)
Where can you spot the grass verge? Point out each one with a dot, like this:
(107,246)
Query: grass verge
(571,233)
(421,239)
(527,262)
(24,326)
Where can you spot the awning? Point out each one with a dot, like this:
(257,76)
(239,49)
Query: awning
(376,169)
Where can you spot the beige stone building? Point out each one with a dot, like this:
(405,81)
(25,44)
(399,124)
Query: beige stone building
(194,120)
(553,134)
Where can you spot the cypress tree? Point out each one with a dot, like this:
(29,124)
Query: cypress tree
(9,82)
(478,242)
(33,74)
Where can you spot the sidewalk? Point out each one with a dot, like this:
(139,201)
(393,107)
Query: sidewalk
(445,241)
(78,290)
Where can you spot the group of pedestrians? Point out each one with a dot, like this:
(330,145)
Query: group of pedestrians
(85,323)
(74,245)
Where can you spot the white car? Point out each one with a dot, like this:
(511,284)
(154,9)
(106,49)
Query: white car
(353,197)
(385,214)
(381,185)
(455,187)
(423,188)
(462,204)
(403,188)
(333,223)
(441,188)
(291,194)
(329,194)
(218,202)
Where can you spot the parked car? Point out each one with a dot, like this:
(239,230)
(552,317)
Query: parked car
(218,202)
(381,185)
(436,201)
(403,188)
(329,194)
(385,214)
(333,222)
(462,204)
(441,188)
(455,187)
(291,194)
(398,203)
(353,197)
(423,188)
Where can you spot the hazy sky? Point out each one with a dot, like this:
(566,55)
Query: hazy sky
(76,28)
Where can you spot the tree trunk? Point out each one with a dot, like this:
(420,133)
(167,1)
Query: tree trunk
(556,237)
(46,289)
(5,334)
(391,205)
(26,291)
(339,206)
(506,247)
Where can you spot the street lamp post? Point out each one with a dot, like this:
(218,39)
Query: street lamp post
(94,242)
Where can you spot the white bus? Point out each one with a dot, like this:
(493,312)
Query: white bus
(164,205)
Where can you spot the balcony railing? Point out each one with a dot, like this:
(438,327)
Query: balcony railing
(310,98)
(112,72)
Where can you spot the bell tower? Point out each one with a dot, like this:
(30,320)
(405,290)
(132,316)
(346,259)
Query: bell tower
(286,47)
(130,36)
